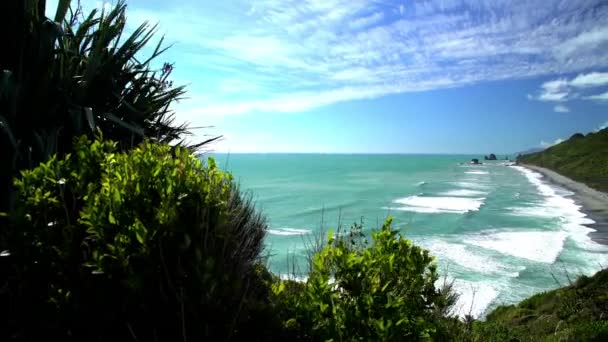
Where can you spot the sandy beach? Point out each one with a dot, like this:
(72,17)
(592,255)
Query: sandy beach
(594,202)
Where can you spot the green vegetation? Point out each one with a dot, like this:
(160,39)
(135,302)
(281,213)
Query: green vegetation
(582,158)
(70,76)
(354,292)
(147,243)
(578,312)
(112,234)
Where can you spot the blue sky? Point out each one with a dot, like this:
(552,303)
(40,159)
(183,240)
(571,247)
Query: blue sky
(416,76)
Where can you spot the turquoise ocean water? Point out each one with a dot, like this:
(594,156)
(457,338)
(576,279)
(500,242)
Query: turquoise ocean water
(501,232)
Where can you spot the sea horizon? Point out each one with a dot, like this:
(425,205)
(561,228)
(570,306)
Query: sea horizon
(478,154)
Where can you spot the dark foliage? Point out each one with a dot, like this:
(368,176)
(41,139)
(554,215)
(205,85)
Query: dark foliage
(145,245)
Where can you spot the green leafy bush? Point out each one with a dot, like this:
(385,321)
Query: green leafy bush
(381,292)
(147,245)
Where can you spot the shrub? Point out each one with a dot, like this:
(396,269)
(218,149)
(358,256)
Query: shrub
(381,292)
(145,245)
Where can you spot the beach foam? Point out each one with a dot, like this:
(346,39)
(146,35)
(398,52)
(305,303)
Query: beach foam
(532,245)
(464,193)
(474,297)
(532,210)
(471,185)
(564,209)
(468,258)
(457,205)
(477,172)
(288,231)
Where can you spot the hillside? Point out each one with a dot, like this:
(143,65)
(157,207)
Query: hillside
(583,158)
(577,312)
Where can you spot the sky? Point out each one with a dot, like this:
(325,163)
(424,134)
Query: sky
(408,76)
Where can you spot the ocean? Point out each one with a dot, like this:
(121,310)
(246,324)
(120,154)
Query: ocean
(500,232)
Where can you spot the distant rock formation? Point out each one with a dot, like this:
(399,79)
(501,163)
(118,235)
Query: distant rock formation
(475,161)
(491,157)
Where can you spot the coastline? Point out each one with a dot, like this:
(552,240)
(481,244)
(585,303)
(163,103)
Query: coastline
(594,203)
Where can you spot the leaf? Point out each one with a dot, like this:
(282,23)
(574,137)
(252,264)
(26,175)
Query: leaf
(131,127)
(111,218)
(4,125)
(88,111)
(139,237)
(62,9)
(116,195)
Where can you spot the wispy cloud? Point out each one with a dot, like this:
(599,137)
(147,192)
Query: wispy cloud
(593,79)
(549,144)
(561,109)
(286,56)
(598,97)
(563,89)
(367,21)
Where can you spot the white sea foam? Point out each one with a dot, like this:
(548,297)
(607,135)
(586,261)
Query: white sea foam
(471,185)
(464,193)
(477,172)
(288,231)
(474,297)
(563,209)
(533,210)
(297,278)
(457,205)
(467,257)
(532,245)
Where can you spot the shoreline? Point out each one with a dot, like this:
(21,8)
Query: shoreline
(594,202)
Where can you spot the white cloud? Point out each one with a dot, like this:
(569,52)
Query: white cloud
(561,109)
(309,53)
(602,126)
(548,96)
(593,79)
(549,144)
(363,22)
(585,42)
(564,89)
(555,86)
(598,97)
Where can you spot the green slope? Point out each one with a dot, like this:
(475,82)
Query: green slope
(578,312)
(582,158)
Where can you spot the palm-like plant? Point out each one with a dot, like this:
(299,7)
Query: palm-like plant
(74,75)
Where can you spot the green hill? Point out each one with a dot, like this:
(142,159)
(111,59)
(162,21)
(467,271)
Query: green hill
(583,158)
(578,312)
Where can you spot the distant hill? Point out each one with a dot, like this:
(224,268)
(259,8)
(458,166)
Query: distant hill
(583,158)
